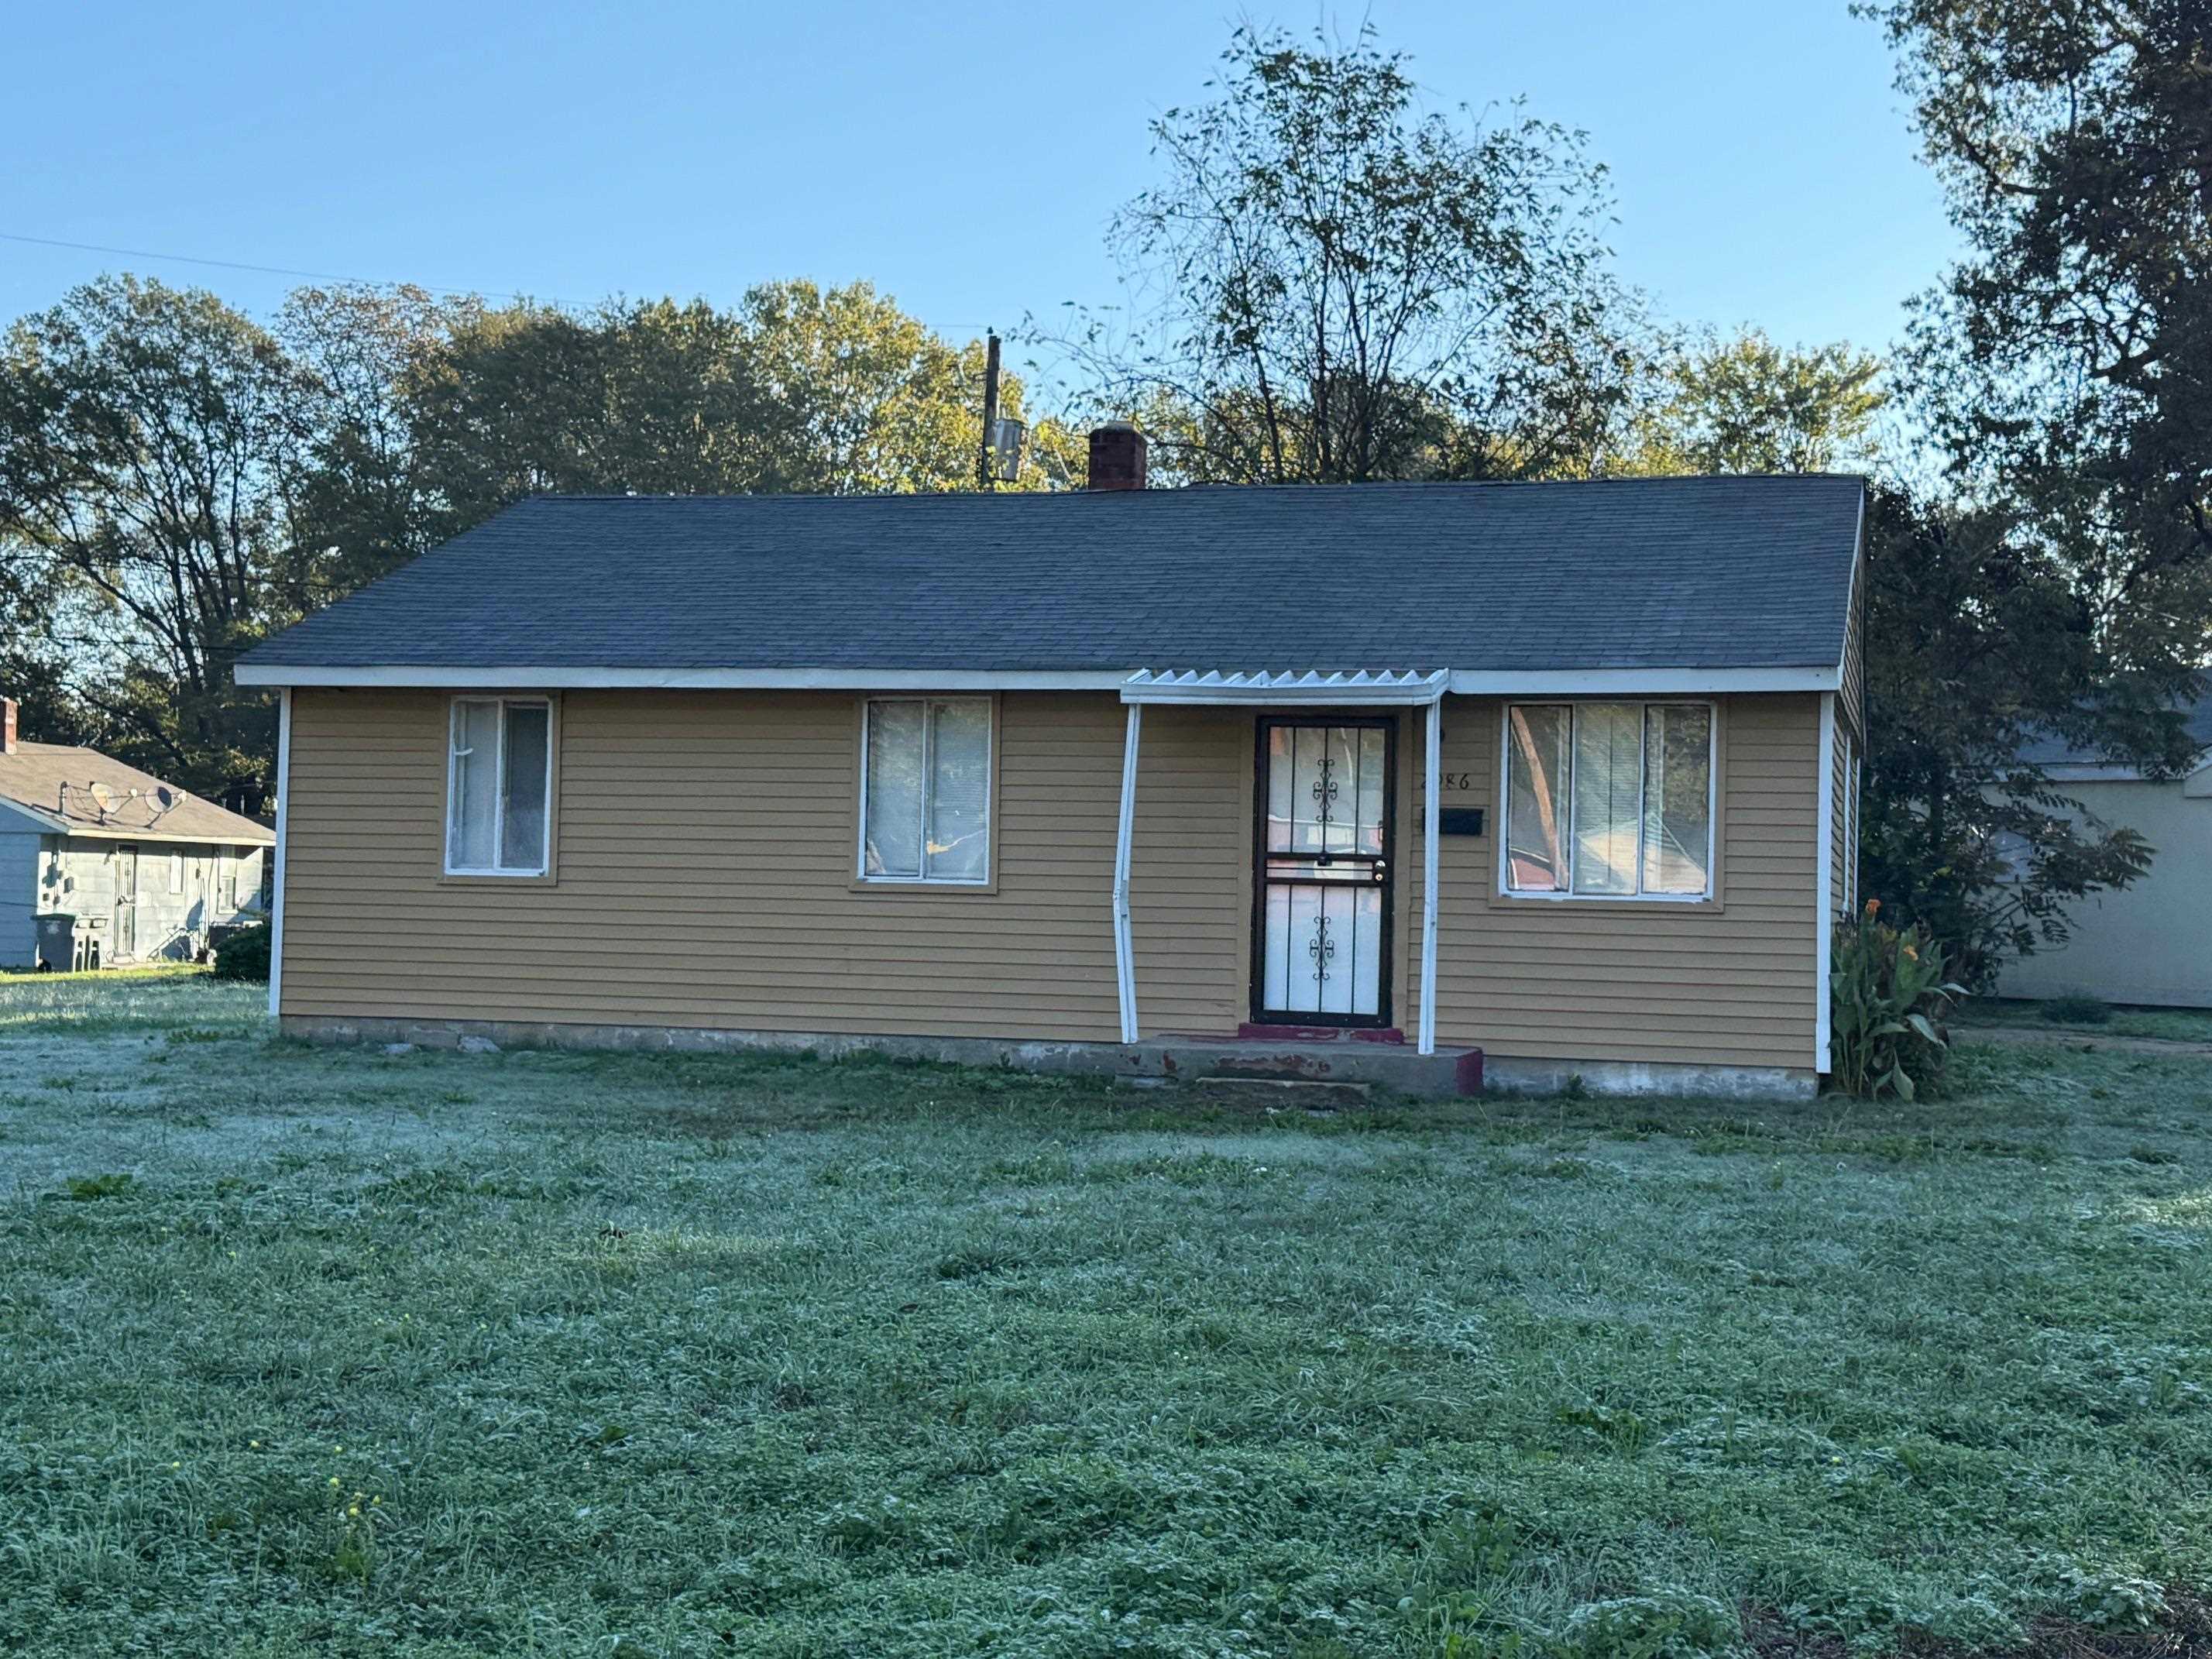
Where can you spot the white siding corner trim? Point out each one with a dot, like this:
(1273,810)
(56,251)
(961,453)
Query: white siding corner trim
(1824,920)
(284,864)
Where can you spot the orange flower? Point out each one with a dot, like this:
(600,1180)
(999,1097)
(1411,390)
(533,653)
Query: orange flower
(1912,955)
(1874,906)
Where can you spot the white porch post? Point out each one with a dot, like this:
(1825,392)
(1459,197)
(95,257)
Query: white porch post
(1431,809)
(276,879)
(1125,969)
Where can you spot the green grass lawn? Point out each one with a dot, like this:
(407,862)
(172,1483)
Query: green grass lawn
(310,1350)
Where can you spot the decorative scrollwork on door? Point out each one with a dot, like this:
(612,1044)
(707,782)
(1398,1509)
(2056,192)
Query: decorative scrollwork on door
(1325,788)
(1321,948)
(1322,938)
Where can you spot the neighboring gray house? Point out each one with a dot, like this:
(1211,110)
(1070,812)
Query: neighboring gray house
(145,868)
(2152,942)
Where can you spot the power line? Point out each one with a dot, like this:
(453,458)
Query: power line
(241,264)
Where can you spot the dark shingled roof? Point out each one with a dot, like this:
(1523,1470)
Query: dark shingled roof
(1660,573)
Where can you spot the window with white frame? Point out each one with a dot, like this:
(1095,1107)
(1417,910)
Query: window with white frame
(1608,800)
(926,790)
(499,786)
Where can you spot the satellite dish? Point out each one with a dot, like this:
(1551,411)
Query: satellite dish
(102,796)
(165,797)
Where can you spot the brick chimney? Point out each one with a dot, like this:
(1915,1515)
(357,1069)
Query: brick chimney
(1117,457)
(7,726)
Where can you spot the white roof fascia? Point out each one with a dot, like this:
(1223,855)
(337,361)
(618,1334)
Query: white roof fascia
(1642,682)
(1563,682)
(543,678)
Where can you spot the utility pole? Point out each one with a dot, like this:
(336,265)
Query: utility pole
(986,463)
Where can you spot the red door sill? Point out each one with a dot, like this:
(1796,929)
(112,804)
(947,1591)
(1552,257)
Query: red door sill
(1254,1031)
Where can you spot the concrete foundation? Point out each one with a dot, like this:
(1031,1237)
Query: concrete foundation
(1612,1077)
(1394,1067)
(1398,1069)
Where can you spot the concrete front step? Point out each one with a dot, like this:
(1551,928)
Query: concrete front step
(1398,1068)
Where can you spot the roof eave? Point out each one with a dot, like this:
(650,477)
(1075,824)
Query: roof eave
(1543,682)
(254,836)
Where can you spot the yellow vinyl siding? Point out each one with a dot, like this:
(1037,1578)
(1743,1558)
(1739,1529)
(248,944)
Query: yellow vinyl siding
(1730,983)
(705,854)
(706,867)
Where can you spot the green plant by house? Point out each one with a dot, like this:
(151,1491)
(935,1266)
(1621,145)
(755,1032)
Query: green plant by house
(244,955)
(1890,994)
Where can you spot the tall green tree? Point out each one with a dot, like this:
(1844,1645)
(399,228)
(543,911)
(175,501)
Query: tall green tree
(799,388)
(1333,285)
(146,450)
(642,397)
(867,399)
(359,503)
(1745,404)
(176,479)
(2060,581)
(2065,364)
(1979,644)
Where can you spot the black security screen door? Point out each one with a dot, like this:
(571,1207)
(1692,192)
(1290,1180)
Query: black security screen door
(1321,927)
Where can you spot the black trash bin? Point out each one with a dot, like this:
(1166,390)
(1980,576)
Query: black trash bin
(57,945)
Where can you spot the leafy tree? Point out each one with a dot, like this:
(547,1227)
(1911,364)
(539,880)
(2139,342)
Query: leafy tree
(636,397)
(867,398)
(145,447)
(359,504)
(1979,643)
(1336,286)
(2064,371)
(35,666)
(176,480)
(798,389)
(2066,363)
(1746,405)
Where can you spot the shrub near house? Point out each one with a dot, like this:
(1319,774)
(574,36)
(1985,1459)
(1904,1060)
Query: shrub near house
(244,955)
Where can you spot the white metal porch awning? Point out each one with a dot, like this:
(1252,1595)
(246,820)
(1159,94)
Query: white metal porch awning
(1401,687)
(1362,688)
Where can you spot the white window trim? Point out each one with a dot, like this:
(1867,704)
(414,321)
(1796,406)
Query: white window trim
(499,788)
(1505,888)
(923,878)
(177,869)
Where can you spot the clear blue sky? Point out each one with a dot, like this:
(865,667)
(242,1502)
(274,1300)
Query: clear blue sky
(966,157)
